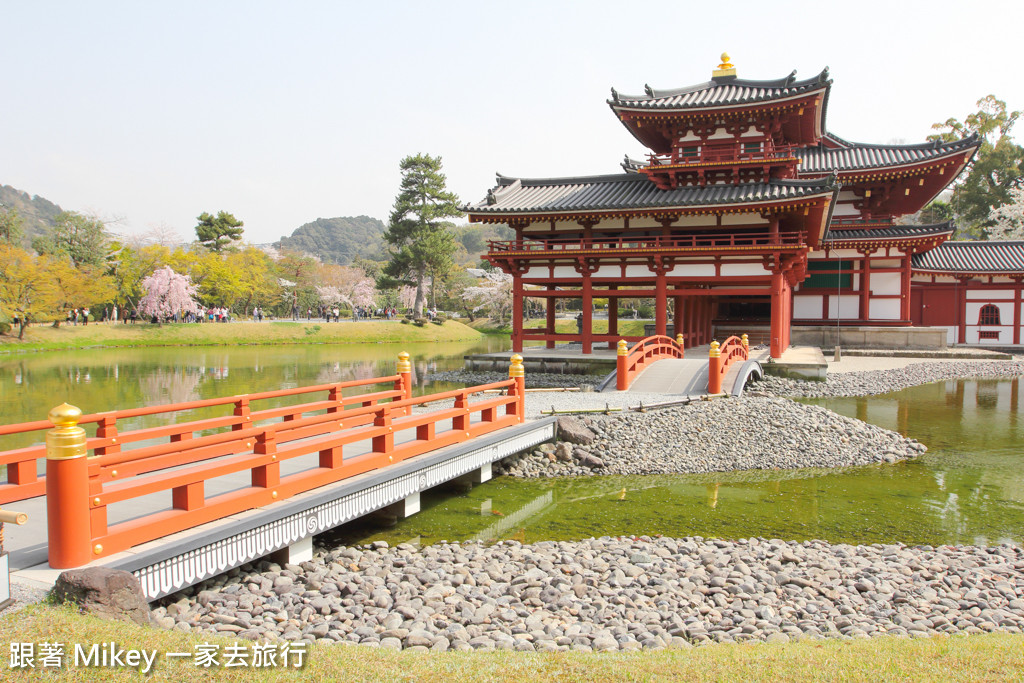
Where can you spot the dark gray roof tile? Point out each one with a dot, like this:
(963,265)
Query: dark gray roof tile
(630,191)
(719,92)
(854,156)
(890,232)
(972,257)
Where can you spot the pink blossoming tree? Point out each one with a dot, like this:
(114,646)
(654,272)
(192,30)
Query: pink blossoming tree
(168,294)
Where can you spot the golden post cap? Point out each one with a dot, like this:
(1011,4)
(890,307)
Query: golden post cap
(65,415)
(622,348)
(516,369)
(403,362)
(714,352)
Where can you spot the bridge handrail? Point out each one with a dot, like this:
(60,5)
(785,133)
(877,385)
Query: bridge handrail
(79,489)
(720,357)
(23,480)
(629,363)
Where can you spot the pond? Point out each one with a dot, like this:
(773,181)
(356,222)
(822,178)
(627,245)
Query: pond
(968,488)
(96,380)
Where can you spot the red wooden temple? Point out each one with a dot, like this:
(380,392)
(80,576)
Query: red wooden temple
(748,211)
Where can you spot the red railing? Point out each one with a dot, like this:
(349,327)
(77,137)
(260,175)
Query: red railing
(609,244)
(714,154)
(23,464)
(721,357)
(630,363)
(80,489)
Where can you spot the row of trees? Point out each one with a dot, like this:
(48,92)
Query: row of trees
(78,264)
(987,200)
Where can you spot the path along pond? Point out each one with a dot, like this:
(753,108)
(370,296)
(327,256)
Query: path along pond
(968,488)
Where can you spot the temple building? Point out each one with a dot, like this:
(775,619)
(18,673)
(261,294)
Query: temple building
(748,215)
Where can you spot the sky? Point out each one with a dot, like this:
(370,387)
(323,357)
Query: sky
(150,113)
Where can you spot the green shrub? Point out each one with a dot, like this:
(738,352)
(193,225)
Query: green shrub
(405,321)
(439,321)
(419,322)
(5,328)
(646,311)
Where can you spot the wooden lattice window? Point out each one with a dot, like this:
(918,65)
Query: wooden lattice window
(989,315)
(988,334)
(751,147)
(690,152)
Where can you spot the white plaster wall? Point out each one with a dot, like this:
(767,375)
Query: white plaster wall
(1005,311)
(885,283)
(1005,334)
(849,307)
(844,209)
(690,137)
(643,222)
(735,269)
(567,271)
(744,219)
(694,220)
(536,271)
(988,294)
(638,271)
(807,306)
(749,132)
(833,255)
(847,196)
(885,263)
(884,309)
(692,270)
(720,133)
(950,334)
(608,271)
(570,226)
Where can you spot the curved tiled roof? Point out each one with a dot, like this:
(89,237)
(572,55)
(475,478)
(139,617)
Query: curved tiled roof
(854,155)
(892,232)
(972,257)
(631,191)
(719,92)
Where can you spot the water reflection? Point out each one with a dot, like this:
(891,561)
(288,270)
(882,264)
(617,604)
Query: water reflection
(969,488)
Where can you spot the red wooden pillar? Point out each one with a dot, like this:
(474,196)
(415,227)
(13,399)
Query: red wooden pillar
(588,313)
(613,315)
(660,303)
(69,529)
(517,312)
(962,306)
(865,286)
(549,327)
(777,332)
(1017,300)
(905,288)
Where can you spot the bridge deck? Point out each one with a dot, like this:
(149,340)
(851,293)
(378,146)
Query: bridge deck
(173,562)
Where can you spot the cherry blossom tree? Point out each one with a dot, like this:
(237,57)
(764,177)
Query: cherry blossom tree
(407,297)
(493,295)
(1008,219)
(346,285)
(168,294)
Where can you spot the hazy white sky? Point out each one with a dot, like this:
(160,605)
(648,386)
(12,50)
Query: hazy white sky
(285,112)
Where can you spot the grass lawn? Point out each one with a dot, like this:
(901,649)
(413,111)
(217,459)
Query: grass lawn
(627,327)
(46,337)
(990,657)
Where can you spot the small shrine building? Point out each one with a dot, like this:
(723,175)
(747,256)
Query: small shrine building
(748,212)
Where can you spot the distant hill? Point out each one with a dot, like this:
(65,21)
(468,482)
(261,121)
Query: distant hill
(339,240)
(38,213)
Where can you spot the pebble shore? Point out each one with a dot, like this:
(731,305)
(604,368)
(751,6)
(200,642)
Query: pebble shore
(610,594)
(747,433)
(534,380)
(873,382)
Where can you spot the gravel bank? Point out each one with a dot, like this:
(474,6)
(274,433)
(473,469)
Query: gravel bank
(748,433)
(534,380)
(610,594)
(883,381)
(24,594)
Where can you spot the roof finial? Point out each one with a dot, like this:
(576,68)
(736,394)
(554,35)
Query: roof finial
(725,68)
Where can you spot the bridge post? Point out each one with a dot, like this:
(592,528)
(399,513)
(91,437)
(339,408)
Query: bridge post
(69,534)
(746,347)
(682,344)
(714,369)
(621,380)
(404,385)
(518,373)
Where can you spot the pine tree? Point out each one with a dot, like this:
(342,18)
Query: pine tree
(422,245)
(216,232)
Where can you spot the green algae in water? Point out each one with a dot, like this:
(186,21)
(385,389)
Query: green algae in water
(968,488)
